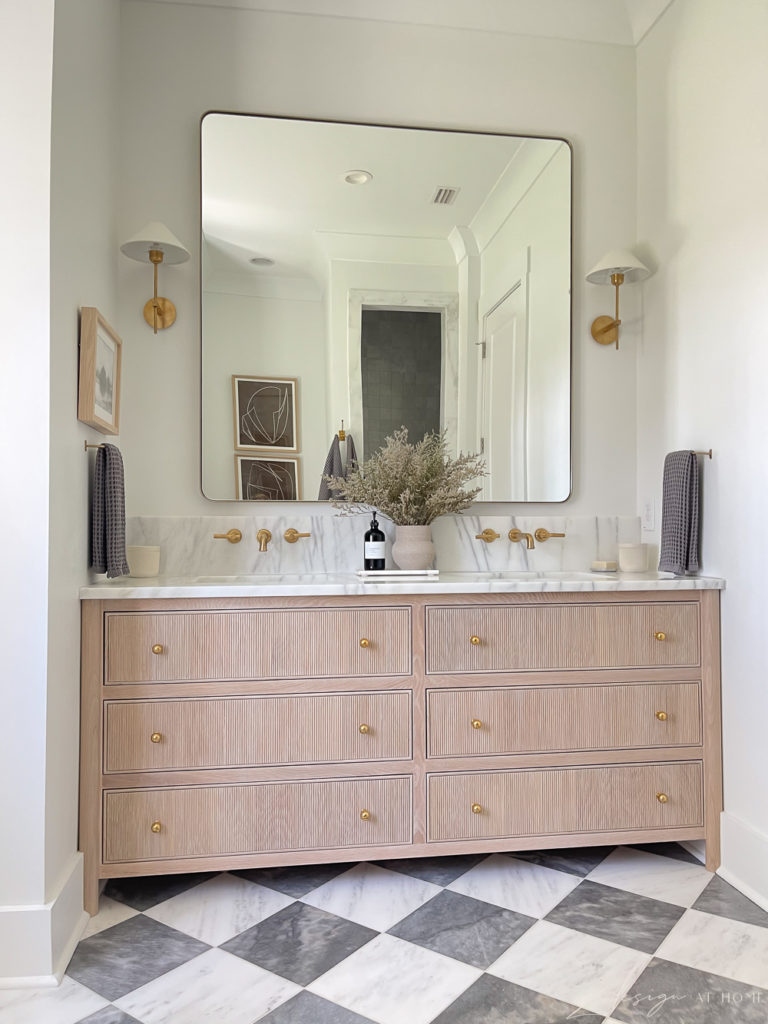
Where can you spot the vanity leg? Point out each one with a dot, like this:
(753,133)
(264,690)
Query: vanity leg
(711,702)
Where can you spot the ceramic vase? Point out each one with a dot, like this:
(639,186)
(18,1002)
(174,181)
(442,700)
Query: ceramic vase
(413,547)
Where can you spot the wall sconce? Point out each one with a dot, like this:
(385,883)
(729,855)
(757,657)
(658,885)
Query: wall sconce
(155,244)
(616,267)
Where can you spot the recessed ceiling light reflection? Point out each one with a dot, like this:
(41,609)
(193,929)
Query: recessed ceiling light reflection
(358,177)
(261,261)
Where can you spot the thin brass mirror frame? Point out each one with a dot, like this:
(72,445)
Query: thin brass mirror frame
(411,127)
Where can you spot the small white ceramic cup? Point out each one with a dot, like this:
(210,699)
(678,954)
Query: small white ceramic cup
(633,557)
(143,561)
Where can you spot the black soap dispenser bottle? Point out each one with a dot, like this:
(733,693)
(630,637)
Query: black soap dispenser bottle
(373,548)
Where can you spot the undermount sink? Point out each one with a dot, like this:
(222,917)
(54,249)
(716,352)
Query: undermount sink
(577,574)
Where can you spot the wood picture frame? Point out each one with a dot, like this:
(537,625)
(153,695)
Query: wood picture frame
(98,394)
(267,478)
(266,413)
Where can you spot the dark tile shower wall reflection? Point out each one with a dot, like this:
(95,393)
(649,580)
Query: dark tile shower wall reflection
(401,369)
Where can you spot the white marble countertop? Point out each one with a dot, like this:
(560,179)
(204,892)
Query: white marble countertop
(320,584)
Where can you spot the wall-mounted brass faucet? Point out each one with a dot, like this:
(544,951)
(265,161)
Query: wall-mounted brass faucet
(233,536)
(263,537)
(541,534)
(517,535)
(488,535)
(292,535)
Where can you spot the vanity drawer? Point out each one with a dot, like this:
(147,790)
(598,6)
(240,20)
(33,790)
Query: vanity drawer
(509,638)
(229,732)
(523,719)
(217,821)
(256,644)
(552,801)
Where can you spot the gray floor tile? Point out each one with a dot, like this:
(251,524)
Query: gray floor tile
(439,870)
(294,881)
(493,1001)
(578,861)
(466,929)
(120,959)
(667,993)
(722,899)
(109,1015)
(299,943)
(616,915)
(306,1008)
(673,850)
(143,893)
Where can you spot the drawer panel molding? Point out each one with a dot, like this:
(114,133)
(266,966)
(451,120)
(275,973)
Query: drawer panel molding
(229,732)
(548,801)
(257,644)
(210,821)
(528,719)
(509,638)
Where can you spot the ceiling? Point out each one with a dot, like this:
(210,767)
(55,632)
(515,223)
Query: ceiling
(620,22)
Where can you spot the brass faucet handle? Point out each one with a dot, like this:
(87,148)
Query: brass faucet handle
(292,535)
(263,537)
(488,535)
(233,536)
(541,535)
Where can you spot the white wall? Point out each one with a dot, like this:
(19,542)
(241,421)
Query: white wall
(250,335)
(179,61)
(703,220)
(57,207)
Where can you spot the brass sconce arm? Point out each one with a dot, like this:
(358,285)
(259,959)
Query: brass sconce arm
(616,268)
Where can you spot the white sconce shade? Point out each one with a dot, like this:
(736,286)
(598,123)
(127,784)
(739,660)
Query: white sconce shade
(616,267)
(618,261)
(155,244)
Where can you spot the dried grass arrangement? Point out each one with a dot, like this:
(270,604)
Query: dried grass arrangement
(411,484)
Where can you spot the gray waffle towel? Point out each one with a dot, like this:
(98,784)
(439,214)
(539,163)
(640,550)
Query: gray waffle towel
(332,467)
(680,514)
(108,514)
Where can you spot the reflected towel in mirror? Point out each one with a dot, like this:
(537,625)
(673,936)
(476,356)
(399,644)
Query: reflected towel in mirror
(334,466)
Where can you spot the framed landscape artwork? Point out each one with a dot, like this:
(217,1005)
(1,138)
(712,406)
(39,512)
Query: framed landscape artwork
(265,413)
(266,478)
(98,397)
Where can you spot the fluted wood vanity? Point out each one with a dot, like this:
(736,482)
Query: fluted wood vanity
(232,732)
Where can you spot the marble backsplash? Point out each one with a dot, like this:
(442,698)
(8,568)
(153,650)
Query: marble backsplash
(335,543)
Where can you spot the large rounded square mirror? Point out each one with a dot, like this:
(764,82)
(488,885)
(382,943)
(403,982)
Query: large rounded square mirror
(382,277)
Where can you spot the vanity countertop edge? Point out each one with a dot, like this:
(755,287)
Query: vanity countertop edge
(330,584)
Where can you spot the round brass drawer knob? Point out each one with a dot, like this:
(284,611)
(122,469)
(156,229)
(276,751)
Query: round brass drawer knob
(662,798)
(365,815)
(476,723)
(661,715)
(364,729)
(365,642)
(477,809)
(155,827)
(474,640)
(659,636)
(157,648)
(156,737)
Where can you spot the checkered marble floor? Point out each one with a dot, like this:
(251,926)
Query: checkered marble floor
(626,934)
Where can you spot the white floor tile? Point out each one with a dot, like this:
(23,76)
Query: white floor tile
(516,885)
(719,945)
(580,969)
(648,874)
(213,988)
(220,908)
(393,982)
(68,1003)
(372,896)
(110,913)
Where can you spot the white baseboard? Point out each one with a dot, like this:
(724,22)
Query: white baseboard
(37,941)
(745,858)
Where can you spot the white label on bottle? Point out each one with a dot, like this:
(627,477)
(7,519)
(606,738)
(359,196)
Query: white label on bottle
(375,549)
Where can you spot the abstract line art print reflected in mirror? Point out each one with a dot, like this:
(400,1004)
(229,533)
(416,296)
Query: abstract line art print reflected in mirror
(265,413)
(264,478)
